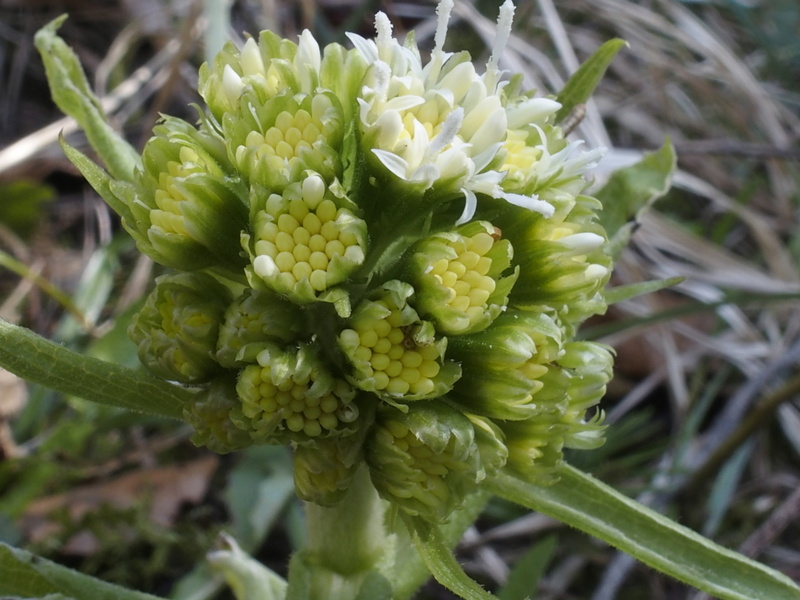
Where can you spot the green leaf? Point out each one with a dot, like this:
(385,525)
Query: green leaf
(41,361)
(97,178)
(437,555)
(632,290)
(631,190)
(29,576)
(583,81)
(258,489)
(72,94)
(248,578)
(523,580)
(583,502)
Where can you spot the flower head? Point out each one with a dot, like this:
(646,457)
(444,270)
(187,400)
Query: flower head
(383,260)
(187,203)
(305,240)
(176,330)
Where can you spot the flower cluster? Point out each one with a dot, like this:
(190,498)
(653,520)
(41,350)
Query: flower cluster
(379,260)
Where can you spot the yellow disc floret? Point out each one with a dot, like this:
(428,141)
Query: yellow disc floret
(274,401)
(305,239)
(390,357)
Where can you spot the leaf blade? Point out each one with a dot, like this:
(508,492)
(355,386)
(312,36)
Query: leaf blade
(32,576)
(583,502)
(41,361)
(582,83)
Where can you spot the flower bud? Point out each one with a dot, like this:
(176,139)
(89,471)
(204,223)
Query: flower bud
(423,461)
(187,209)
(265,68)
(503,365)
(305,240)
(273,143)
(392,352)
(323,471)
(536,444)
(176,330)
(289,395)
(209,414)
(457,277)
(562,259)
(253,318)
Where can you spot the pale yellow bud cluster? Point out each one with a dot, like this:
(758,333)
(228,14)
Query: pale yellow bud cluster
(289,136)
(300,239)
(425,482)
(395,362)
(288,404)
(168,196)
(520,157)
(465,276)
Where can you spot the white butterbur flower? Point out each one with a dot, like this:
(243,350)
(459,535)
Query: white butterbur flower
(439,125)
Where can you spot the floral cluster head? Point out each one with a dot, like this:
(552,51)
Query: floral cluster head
(380,260)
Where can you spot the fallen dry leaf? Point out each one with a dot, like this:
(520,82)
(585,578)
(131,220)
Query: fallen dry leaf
(165,489)
(13,395)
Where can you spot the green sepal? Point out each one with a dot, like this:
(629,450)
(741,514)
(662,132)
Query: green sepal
(209,412)
(502,365)
(324,470)
(266,211)
(265,421)
(176,330)
(582,83)
(342,71)
(187,180)
(418,333)
(322,156)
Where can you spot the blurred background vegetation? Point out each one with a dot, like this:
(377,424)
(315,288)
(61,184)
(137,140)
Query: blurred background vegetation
(704,413)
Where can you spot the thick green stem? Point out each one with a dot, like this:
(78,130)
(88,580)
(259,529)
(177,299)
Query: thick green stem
(350,537)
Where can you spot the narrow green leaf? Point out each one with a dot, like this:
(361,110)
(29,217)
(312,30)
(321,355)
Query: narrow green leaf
(632,290)
(442,562)
(97,178)
(41,361)
(583,502)
(30,576)
(631,190)
(583,81)
(523,580)
(72,94)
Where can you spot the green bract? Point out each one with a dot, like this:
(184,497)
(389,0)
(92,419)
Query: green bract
(383,262)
